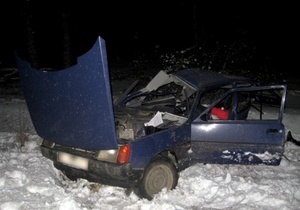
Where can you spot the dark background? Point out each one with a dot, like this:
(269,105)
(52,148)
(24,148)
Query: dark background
(147,30)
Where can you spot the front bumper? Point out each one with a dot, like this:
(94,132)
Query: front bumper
(113,174)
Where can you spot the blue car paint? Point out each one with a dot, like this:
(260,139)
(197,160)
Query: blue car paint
(243,132)
(204,79)
(144,149)
(73,106)
(229,153)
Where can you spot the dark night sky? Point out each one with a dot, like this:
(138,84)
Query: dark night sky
(140,27)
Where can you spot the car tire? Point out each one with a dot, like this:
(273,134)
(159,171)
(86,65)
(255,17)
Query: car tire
(159,174)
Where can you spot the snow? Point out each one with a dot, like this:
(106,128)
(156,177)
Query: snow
(29,181)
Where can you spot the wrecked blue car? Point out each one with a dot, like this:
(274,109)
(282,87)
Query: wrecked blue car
(142,140)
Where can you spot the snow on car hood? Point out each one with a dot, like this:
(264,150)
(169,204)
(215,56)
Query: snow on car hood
(73,106)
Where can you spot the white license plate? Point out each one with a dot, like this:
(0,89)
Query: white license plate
(73,161)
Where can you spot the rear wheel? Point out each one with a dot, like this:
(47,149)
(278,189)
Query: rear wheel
(160,173)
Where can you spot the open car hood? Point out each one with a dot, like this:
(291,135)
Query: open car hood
(73,106)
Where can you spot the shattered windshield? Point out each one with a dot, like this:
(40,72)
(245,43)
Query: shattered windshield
(171,97)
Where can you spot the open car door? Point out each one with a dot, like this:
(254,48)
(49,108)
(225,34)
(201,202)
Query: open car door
(252,136)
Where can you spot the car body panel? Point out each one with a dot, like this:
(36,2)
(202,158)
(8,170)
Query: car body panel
(229,153)
(144,149)
(72,106)
(243,132)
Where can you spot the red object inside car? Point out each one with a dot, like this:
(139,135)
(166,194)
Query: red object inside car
(222,114)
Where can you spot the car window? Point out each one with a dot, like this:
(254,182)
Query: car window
(247,105)
(264,104)
(234,106)
(208,97)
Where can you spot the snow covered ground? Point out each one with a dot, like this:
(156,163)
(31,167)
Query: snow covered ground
(29,181)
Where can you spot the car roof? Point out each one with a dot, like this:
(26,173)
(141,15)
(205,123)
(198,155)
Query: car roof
(203,79)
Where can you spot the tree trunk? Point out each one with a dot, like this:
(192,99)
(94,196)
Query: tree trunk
(30,37)
(66,42)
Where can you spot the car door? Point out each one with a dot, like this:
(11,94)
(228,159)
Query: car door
(253,132)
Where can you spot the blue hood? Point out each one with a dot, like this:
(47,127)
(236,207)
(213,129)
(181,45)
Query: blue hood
(73,106)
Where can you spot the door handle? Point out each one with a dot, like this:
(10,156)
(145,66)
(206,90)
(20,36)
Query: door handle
(272,130)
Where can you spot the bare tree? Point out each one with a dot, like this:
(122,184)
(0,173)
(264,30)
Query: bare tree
(30,35)
(195,21)
(66,41)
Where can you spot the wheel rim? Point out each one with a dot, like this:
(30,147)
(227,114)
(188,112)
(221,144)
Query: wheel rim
(160,177)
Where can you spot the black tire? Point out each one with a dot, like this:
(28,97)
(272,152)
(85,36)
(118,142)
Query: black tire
(160,173)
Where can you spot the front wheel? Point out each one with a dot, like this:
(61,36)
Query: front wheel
(160,173)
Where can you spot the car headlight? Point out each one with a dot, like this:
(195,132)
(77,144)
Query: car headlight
(110,155)
(120,155)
